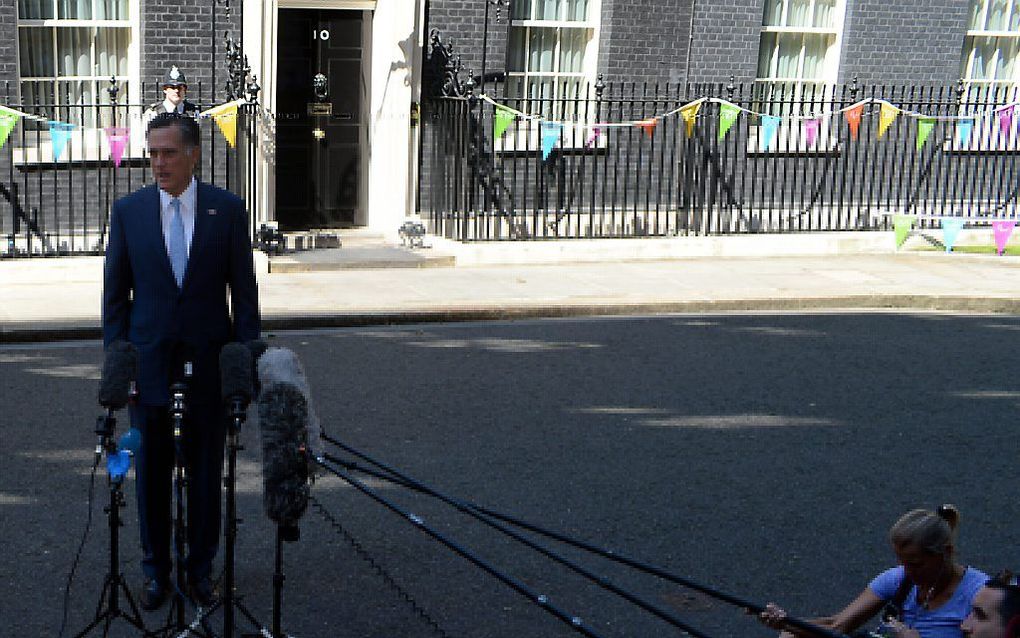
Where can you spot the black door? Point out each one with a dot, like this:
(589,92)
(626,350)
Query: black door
(317,134)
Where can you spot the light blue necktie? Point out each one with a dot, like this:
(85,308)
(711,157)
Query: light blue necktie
(178,243)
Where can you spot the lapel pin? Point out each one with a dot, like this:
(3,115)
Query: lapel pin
(211,211)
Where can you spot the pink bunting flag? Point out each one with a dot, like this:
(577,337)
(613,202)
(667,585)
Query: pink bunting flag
(1006,120)
(593,136)
(117,138)
(811,130)
(1002,230)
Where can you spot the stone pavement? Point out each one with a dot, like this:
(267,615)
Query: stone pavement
(59,298)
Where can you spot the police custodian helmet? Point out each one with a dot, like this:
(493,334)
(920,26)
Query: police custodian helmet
(174,77)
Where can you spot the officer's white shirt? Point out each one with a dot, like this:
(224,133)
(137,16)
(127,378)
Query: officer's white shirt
(170,107)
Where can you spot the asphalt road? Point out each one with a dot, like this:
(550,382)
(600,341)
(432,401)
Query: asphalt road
(763,455)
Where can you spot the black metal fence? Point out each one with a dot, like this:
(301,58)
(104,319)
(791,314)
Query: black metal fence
(60,206)
(656,180)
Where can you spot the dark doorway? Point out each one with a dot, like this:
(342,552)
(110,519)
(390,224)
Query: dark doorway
(318,127)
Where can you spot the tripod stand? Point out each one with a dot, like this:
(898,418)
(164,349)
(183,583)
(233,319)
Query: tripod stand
(109,608)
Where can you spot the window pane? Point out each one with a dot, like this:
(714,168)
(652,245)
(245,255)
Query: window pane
(1006,65)
(111,51)
(111,10)
(548,10)
(77,94)
(797,14)
(766,55)
(73,46)
(35,45)
(977,7)
(522,9)
(815,48)
(74,9)
(542,45)
(789,55)
(825,14)
(517,48)
(35,9)
(984,51)
(572,50)
(577,10)
(996,15)
(1014,17)
(773,13)
(37,93)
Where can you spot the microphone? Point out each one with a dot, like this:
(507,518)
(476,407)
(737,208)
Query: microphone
(236,378)
(283,420)
(119,370)
(281,365)
(257,347)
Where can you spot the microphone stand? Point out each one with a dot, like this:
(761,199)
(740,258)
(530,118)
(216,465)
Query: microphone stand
(109,608)
(289,533)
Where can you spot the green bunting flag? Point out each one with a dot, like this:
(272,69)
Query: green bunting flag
(728,114)
(8,121)
(504,117)
(901,226)
(924,127)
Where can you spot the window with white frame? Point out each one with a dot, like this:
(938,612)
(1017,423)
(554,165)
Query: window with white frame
(69,49)
(991,45)
(798,56)
(552,53)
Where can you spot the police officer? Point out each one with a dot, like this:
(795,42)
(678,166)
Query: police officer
(175,87)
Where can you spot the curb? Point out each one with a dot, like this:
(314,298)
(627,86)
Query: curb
(23,332)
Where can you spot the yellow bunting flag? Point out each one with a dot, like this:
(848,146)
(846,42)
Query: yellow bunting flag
(924,127)
(225,117)
(853,118)
(886,117)
(690,113)
(648,125)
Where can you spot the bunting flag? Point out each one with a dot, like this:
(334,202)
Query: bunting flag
(225,116)
(853,118)
(550,137)
(1002,230)
(648,126)
(901,227)
(593,136)
(8,121)
(769,126)
(60,133)
(728,114)
(690,114)
(503,119)
(1006,120)
(887,115)
(811,130)
(951,227)
(924,127)
(117,138)
(963,129)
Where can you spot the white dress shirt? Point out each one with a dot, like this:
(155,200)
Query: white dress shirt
(189,204)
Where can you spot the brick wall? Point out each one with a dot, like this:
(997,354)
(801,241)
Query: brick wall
(726,38)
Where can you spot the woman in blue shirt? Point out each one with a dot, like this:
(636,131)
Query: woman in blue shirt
(931,590)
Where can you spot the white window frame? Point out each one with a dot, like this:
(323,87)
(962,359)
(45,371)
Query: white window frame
(528,134)
(87,144)
(970,51)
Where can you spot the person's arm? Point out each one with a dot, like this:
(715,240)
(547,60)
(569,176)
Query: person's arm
(858,612)
(117,282)
(244,293)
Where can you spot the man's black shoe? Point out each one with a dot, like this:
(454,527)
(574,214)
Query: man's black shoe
(153,594)
(201,592)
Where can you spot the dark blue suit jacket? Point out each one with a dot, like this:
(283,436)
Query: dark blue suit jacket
(142,304)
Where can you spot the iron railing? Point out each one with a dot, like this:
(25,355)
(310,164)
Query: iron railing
(658,181)
(61,206)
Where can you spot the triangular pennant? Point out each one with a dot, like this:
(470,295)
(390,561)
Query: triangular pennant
(648,126)
(550,137)
(503,119)
(226,120)
(901,227)
(117,138)
(728,114)
(853,118)
(811,130)
(690,114)
(1002,230)
(963,129)
(924,127)
(8,121)
(769,126)
(593,136)
(951,227)
(887,115)
(1006,120)
(60,133)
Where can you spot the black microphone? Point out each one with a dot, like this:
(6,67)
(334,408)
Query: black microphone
(119,370)
(281,365)
(283,419)
(236,378)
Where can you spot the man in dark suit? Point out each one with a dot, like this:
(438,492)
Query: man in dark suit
(176,251)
